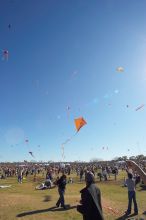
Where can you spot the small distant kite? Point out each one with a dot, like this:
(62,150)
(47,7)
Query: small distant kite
(127,106)
(5,54)
(120,69)
(31,153)
(26,141)
(9,26)
(104,148)
(68,110)
(140,107)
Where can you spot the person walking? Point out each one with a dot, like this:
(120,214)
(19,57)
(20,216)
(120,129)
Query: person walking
(90,205)
(61,183)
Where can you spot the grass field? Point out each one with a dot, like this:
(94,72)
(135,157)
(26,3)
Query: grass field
(22,201)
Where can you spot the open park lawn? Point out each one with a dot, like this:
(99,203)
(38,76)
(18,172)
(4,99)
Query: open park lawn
(22,201)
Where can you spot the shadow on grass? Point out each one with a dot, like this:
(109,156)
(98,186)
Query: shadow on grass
(143,187)
(53,209)
(123,217)
(47,198)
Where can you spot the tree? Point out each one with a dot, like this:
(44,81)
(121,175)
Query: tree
(132,158)
(140,157)
(124,158)
(95,160)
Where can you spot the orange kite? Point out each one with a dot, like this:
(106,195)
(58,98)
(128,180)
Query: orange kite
(79,123)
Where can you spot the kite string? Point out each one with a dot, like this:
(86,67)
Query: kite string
(69,139)
(63,155)
(62,145)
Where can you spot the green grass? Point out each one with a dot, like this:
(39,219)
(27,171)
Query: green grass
(28,203)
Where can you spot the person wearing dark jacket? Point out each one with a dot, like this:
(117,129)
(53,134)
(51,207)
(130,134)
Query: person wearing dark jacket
(90,207)
(61,183)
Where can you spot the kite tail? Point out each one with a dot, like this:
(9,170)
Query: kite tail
(68,140)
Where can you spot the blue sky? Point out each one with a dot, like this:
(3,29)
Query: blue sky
(65,54)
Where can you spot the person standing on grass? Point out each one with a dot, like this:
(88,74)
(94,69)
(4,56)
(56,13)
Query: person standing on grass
(90,207)
(81,173)
(61,183)
(130,182)
(20,175)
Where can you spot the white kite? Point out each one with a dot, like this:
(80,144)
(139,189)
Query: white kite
(120,69)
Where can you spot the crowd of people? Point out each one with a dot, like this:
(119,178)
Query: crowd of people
(102,172)
(90,204)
